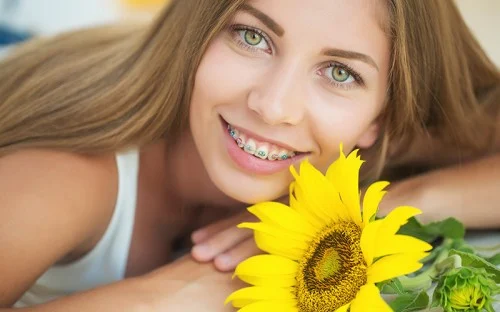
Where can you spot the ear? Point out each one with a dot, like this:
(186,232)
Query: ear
(369,137)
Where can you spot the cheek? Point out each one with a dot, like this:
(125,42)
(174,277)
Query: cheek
(339,119)
(223,75)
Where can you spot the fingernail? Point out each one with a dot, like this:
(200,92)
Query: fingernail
(202,251)
(224,261)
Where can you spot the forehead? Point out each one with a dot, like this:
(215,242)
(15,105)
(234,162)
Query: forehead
(340,23)
(340,10)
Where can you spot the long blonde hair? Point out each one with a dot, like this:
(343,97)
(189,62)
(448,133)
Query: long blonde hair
(441,85)
(103,89)
(100,90)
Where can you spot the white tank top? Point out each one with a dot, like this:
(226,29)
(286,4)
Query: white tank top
(104,264)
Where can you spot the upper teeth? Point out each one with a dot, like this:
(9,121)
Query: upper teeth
(262,150)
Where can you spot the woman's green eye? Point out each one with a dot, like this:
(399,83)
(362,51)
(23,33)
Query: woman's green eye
(339,74)
(252,38)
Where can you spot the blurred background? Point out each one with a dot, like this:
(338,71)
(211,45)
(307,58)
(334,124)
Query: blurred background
(19,19)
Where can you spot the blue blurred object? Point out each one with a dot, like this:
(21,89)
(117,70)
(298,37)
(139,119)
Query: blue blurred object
(10,36)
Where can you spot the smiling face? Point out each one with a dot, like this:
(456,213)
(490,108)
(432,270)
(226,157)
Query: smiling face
(286,81)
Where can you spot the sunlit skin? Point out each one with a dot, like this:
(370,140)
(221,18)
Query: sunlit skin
(307,76)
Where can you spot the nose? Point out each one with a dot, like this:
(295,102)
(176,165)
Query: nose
(279,97)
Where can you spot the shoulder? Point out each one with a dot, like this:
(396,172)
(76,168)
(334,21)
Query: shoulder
(52,161)
(77,187)
(54,202)
(57,173)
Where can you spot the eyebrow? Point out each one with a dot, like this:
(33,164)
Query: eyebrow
(351,55)
(268,21)
(278,30)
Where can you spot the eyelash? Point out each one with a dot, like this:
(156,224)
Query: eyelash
(355,75)
(234,29)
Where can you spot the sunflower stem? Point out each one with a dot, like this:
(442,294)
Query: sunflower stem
(452,262)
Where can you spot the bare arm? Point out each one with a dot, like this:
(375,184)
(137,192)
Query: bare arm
(129,295)
(468,192)
(466,187)
(184,285)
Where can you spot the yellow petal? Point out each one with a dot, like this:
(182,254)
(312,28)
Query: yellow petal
(317,194)
(369,299)
(344,174)
(268,270)
(308,215)
(311,201)
(278,247)
(399,244)
(284,217)
(271,306)
(295,240)
(396,218)
(368,239)
(276,241)
(248,295)
(343,308)
(372,199)
(394,266)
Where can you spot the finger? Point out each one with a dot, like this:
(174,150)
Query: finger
(229,260)
(202,234)
(205,233)
(219,243)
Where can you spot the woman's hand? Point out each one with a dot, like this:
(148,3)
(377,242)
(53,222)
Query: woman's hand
(189,286)
(223,243)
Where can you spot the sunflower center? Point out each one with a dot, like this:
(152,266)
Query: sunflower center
(332,270)
(328,265)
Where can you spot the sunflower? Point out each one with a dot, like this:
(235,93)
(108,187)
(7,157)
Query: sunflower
(325,253)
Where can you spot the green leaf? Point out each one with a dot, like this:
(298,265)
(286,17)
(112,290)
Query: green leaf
(495,260)
(392,286)
(415,301)
(471,260)
(461,245)
(415,229)
(448,228)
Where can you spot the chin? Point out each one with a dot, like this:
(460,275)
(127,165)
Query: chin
(250,189)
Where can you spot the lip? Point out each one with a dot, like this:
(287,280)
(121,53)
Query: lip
(251,163)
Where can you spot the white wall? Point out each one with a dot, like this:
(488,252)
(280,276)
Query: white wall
(483,17)
(53,16)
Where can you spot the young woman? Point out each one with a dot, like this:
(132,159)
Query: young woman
(117,143)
